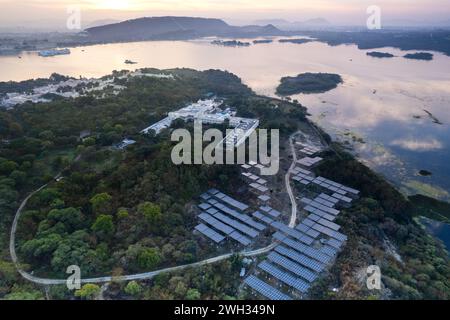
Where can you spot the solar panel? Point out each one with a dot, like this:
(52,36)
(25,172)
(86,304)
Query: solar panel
(213,191)
(284,277)
(263,218)
(204,206)
(211,211)
(335,243)
(329,232)
(270,211)
(215,223)
(300,247)
(242,217)
(329,251)
(205,196)
(240,238)
(292,232)
(212,201)
(292,266)
(265,289)
(329,224)
(234,203)
(210,233)
(237,225)
(300,258)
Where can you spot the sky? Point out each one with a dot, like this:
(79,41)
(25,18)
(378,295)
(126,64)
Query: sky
(53,13)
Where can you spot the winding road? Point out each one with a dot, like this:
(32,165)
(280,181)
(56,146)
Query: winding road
(144,275)
(287,180)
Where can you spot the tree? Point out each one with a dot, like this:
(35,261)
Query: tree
(133,288)
(150,211)
(148,258)
(88,291)
(101,203)
(103,226)
(193,294)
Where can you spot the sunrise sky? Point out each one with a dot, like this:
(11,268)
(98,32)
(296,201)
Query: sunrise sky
(52,13)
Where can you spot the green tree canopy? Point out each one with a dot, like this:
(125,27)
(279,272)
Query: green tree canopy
(101,203)
(88,291)
(103,226)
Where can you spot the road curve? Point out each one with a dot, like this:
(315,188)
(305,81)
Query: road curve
(287,179)
(151,274)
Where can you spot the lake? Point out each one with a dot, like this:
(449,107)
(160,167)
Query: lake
(393,113)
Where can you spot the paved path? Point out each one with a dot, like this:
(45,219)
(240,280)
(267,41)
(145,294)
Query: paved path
(151,274)
(287,180)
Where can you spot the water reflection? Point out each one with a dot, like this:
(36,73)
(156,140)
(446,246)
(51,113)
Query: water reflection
(386,109)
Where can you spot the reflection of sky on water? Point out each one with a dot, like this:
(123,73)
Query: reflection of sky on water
(380,108)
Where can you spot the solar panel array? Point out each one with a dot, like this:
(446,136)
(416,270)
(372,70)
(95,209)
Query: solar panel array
(237,225)
(300,258)
(292,232)
(265,289)
(318,213)
(210,233)
(270,211)
(302,248)
(222,217)
(320,206)
(240,238)
(284,277)
(292,266)
(308,161)
(263,218)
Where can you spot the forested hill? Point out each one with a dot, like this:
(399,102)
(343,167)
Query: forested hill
(154,28)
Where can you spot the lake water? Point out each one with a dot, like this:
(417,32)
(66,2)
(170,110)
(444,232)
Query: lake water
(380,110)
(438,229)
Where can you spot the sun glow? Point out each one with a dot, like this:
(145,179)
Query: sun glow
(113,4)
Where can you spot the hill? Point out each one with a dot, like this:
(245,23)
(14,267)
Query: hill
(173,28)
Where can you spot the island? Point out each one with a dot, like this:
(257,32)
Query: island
(262,41)
(425,173)
(419,56)
(296,41)
(377,54)
(231,43)
(308,83)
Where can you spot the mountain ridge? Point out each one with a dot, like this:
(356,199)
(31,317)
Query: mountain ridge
(171,27)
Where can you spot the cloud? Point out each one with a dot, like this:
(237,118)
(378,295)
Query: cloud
(417,145)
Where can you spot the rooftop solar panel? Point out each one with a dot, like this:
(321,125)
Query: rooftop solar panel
(265,289)
(292,266)
(284,277)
